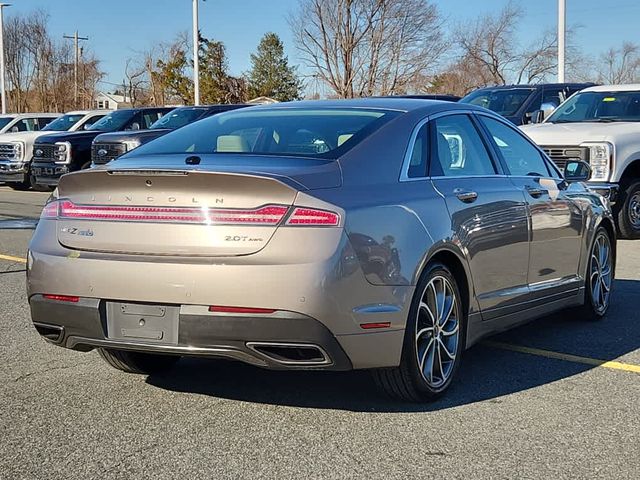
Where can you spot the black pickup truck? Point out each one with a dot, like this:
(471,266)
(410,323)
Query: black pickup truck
(64,152)
(109,146)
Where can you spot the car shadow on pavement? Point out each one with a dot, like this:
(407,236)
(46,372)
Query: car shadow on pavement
(486,374)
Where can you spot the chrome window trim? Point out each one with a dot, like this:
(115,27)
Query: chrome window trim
(406,162)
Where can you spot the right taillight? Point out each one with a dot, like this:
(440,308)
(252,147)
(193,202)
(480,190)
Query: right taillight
(311,217)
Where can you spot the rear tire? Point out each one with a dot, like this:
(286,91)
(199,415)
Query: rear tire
(434,340)
(628,213)
(137,362)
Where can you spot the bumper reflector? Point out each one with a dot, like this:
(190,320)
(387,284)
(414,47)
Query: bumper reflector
(369,326)
(222,309)
(61,298)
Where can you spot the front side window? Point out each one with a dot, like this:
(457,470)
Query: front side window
(26,125)
(458,149)
(601,107)
(301,132)
(521,157)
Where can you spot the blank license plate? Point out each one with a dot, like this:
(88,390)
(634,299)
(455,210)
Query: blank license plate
(138,321)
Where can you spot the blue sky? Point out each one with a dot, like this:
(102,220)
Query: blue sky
(117,29)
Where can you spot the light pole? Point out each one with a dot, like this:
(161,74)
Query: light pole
(3,88)
(562,26)
(196,47)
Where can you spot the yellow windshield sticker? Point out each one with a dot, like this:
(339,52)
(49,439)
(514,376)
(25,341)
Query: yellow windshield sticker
(609,99)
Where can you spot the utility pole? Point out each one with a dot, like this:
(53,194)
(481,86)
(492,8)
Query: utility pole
(3,87)
(76,38)
(196,47)
(562,27)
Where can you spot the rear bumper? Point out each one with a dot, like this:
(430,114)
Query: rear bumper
(607,190)
(320,295)
(83,326)
(13,171)
(48,173)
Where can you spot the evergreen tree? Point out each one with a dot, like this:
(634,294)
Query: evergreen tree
(270,74)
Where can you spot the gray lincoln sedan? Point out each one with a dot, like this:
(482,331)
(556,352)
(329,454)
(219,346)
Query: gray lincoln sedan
(383,234)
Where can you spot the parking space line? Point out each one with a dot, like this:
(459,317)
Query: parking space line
(564,356)
(13,259)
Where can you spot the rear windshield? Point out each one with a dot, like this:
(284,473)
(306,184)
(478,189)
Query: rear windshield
(505,101)
(178,118)
(306,132)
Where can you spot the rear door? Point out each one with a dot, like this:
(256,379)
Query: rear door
(556,219)
(488,213)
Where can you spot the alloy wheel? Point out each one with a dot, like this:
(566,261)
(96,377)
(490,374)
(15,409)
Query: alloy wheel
(634,211)
(437,331)
(600,268)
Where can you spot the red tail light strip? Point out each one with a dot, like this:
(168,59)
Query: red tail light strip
(267,215)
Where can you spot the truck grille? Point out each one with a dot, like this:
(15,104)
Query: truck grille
(562,154)
(7,151)
(44,152)
(102,153)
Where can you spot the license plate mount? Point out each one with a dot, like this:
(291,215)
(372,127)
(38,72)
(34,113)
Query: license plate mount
(143,322)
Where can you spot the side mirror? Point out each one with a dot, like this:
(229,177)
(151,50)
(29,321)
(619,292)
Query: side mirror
(537,116)
(577,171)
(14,129)
(87,126)
(135,126)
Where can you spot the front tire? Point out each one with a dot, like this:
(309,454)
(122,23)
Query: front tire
(599,278)
(628,214)
(434,340)
(137,362)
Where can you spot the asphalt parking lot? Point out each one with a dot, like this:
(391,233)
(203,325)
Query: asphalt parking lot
(536,402)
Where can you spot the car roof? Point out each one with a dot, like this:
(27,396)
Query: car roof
(380,103)
(29,115)
(536,86)
(630,87)
(89,112)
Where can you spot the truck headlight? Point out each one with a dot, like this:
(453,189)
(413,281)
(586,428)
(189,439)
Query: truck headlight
(62,152)
(600,159)
(18,151)
(131,144)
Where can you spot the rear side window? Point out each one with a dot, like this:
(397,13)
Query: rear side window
(301,132)
(458,149)
(521,157)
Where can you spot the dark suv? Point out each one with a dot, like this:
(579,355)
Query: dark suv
(64,152)
(109,146)
(519,103)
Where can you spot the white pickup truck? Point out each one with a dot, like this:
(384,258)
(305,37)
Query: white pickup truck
(16,146)
(600,125)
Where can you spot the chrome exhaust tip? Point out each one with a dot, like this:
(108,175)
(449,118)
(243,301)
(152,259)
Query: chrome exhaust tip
(291,353)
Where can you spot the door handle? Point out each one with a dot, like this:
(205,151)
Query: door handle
(535,192)
(466,196)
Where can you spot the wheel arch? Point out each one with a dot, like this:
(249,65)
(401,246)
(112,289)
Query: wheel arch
(458,265)
(631,172)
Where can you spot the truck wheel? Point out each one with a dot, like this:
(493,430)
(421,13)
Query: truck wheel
(137,362)
(628,214)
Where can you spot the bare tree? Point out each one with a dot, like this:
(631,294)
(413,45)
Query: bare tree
(620,65)
(368,47)
(490,45)
(136,82)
